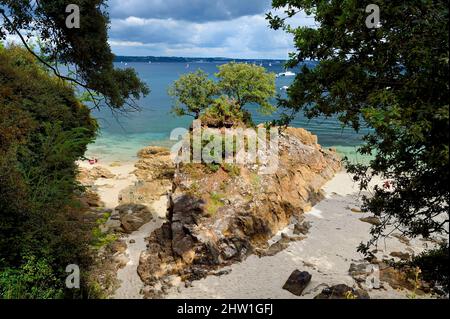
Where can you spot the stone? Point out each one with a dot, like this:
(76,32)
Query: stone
(302,229)
(371,220)
(132,241)
(91,199)
(133,216)
(297,282)
(121,260)
(118,246)
(115,164)
(359,272)
(113,225)
(356,210)
(342,292)
(151,151)
(402,238)
(400,255)
(100,172)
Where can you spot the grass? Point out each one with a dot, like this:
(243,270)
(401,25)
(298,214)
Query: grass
(101,239)
(215,202)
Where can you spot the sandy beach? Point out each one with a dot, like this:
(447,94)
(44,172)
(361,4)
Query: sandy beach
(326,253)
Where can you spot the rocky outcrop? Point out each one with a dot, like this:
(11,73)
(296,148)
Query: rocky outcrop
(399,278)
(342,292)
(220,215)
(89,176)
(155,171)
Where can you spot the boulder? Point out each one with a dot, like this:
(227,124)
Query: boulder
(342,292)
(302,229)
(400,255)
(133,216)
(371,220)
(121,260)
(100,172)
(118,246)
(91,199)
(89,176)
(297,282)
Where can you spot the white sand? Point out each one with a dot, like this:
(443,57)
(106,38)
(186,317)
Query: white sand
(328,252)
(131,283)
(109,189)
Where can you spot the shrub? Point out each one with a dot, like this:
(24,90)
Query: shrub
(44,129)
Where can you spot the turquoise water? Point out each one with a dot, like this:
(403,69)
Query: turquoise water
(122,136)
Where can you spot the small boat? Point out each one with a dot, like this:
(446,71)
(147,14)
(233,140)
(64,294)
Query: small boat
(285,74)
(270,64)
(187,66)
(284,88)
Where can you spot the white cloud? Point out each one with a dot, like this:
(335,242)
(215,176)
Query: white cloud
(180,32)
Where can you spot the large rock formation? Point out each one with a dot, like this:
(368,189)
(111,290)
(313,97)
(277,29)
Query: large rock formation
(220,215)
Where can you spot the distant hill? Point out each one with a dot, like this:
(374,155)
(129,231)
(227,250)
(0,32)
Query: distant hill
(152,59)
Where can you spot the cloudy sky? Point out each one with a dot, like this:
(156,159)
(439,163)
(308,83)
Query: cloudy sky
(196,28)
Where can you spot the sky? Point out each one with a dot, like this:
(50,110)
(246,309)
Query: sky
(197,28)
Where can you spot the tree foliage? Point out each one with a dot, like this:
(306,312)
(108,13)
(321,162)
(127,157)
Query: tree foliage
(85,48)
(44,129)
(193,93)
(247,84)
(238,86)
(393,79)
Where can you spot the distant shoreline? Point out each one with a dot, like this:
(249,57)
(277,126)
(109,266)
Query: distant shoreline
(156,59)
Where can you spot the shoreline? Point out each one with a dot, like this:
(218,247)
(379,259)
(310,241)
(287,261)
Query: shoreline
(327,252)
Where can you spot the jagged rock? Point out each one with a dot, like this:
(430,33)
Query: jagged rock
(402,278)
(113,225)
(118,246)
(91,200)
(217,218)
(400,255)
(279,246)
(401,238)
(151,151)
(359,272)
(342,292)
(302,229)
(297,282)
(89,176)
(371,220)
(121,260)
(133,216)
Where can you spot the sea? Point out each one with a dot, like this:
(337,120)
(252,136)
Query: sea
(121,135)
